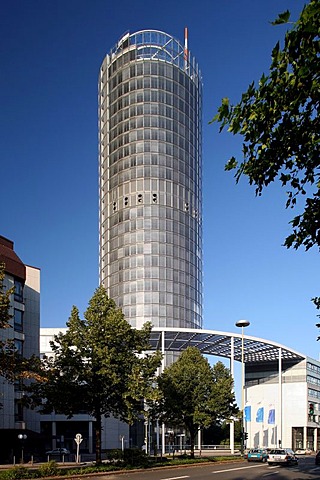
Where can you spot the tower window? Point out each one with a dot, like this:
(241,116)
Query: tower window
(114,206)
(154,198)
(140,198)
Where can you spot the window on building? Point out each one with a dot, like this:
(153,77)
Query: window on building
(18,346)
(18,385)
(18,290)
(18,411)
(18,320)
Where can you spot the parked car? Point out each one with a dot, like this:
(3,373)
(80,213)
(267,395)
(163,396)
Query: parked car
(300,451)
(282,456)
(318,458)
(257,455)
(58,451)
(303,451)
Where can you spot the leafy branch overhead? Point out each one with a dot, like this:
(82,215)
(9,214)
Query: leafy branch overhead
(279,122)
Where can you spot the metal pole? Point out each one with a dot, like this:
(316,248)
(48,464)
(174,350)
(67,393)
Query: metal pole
(163,364)
(280,399)
(232,375)
(242,324)
(242,392)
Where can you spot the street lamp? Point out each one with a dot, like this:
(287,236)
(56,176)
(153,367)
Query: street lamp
(22,437)
(242,324)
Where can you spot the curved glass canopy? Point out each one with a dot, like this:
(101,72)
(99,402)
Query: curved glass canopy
(222,344)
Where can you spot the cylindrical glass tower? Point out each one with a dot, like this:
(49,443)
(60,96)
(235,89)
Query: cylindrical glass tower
(150,165)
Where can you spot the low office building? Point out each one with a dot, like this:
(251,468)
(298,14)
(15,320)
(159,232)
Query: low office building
(283,409)
(24,331)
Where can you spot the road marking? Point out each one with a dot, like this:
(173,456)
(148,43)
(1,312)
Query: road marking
(238,468)
(175,478)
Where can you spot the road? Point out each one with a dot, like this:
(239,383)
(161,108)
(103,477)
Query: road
(306,470)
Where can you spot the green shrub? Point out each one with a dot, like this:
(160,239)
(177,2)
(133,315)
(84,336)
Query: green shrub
(49,469)
(135,457)
(16,473)
(115,455)
(92,469)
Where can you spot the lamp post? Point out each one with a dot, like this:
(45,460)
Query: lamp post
(22,437)
(242,324)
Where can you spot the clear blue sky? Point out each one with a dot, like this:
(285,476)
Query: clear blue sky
(51,51)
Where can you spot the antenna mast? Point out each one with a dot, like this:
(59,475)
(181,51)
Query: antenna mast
(186,53)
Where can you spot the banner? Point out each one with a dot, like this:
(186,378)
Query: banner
(247,414)
(260,414)
(272,416)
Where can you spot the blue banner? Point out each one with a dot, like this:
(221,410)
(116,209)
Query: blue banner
(247,414)
(272,416)
(260,414)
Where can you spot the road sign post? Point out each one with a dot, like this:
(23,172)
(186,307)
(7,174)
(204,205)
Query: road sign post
(78,439)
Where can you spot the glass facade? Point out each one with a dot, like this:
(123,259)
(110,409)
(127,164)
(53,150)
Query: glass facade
(150,163)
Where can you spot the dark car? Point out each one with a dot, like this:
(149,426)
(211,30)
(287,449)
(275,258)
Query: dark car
(257,455)
(58,451)
(318,458)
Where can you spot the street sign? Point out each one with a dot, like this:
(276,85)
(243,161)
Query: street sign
(78,438)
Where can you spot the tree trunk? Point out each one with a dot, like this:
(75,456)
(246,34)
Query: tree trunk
(98,429)
(192,437)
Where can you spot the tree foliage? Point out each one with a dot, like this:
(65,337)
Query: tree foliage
(279,122)
(194,394)
(99,366)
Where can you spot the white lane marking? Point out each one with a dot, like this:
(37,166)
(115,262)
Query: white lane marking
(268,474)
(175,478)
(238,468)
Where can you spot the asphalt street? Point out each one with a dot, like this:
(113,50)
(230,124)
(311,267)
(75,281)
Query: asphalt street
(305,470)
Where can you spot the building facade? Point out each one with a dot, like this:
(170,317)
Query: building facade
(150,165)
(24,331)
(285,409)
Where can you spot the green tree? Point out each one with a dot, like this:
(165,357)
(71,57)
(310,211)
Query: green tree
(279,122)
(194,394)
(99,366)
